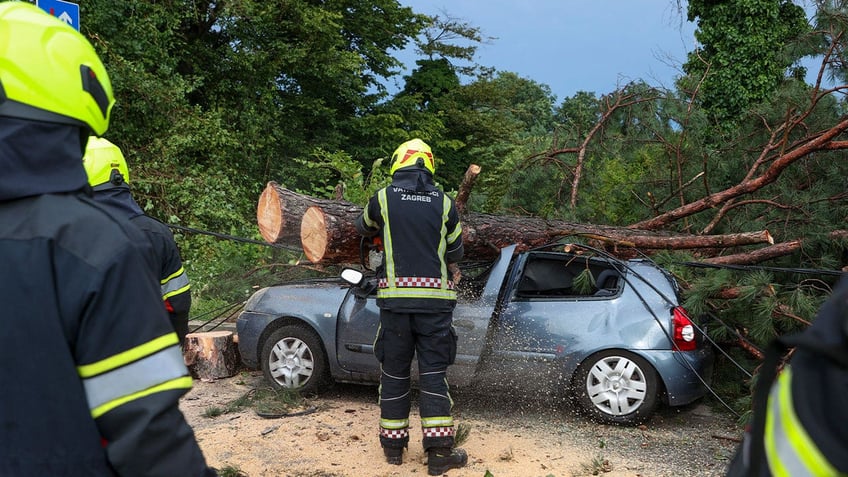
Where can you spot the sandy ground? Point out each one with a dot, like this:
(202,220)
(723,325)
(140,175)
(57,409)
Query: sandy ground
(507,439)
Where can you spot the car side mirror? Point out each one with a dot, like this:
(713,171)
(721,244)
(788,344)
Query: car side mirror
(352,276)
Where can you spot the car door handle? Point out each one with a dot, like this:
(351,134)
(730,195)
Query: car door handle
(464,324)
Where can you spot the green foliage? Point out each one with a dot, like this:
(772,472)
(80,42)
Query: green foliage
(432,79)
(230,471)
(214,100)
(742,56)
(584,283)
(265,401)
(450,38)
(492,121)
(339,170)
(463,431)
(596,466)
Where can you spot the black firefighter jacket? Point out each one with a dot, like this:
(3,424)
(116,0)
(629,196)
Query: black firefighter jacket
(92,372)
(421,233)
(167,263)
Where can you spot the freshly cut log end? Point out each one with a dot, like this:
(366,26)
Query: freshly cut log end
(211,355)
(328,234)
(280,211)
(269,214)
(313,234)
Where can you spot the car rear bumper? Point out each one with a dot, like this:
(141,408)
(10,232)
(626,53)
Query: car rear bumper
(686,375)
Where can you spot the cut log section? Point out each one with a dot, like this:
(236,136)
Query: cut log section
(327,233)
(211,355)
(279,213)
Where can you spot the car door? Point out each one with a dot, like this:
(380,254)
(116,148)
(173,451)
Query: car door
(472,316)
(359,318)
(545,322)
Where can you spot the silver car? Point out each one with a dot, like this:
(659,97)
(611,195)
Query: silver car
(608,333)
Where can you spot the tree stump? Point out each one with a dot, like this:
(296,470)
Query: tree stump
(211,355)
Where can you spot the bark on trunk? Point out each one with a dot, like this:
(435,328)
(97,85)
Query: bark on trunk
(328,235)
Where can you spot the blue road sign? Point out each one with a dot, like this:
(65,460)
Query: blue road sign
(66,11)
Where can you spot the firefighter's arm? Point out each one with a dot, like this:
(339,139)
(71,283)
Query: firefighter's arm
(455,250)
(131,367)
(365,224)
(178,308)
(176,292)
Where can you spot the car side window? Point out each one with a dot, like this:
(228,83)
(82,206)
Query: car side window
(547,277)
(566,276)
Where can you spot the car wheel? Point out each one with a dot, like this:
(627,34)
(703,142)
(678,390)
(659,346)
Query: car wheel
(617,387)
(293,359)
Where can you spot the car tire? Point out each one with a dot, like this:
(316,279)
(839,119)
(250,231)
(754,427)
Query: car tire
(293,359)
(616,387)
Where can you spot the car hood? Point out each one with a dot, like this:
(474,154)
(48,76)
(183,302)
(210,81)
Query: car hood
(296,298)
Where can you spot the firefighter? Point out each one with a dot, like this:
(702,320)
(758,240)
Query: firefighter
(421,236)
(798,427)
(109,178)
(92,372)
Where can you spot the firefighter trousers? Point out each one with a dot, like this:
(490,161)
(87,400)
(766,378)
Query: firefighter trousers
(431,338)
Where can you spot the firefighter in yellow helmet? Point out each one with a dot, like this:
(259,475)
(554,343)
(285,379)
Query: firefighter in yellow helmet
(109,178)
(421,234)
(92,371)
(798,427)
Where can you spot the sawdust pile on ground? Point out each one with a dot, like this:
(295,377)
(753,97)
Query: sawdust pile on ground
(508,437)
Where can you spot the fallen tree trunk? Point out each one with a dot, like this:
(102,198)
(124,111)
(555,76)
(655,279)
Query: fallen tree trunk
(324,229)
(328,235)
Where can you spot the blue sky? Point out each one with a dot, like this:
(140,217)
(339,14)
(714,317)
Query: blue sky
(576,45)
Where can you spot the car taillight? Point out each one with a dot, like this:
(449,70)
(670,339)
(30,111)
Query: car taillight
(684,330)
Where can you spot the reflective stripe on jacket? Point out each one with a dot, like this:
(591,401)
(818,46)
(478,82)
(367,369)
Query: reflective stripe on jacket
(78,281)
(789,449)
(420,232)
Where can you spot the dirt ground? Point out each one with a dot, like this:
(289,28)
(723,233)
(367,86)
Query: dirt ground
(509,436)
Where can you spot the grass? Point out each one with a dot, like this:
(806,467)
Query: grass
(230,471)
(598,465)
(265,401)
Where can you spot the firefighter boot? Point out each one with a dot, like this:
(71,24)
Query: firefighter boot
(394,455)
(442,459)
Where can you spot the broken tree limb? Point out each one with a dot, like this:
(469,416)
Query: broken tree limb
(767,253)
(701,241)
(465,187)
